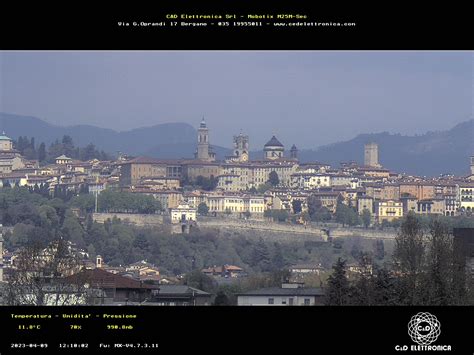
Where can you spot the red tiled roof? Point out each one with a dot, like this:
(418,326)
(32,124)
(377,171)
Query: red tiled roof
(102,278)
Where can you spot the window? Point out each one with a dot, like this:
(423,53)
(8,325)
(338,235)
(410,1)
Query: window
(283,301)
(290,301)
(307,301)
(271,301)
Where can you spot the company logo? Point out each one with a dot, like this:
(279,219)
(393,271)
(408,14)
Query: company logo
(424,328)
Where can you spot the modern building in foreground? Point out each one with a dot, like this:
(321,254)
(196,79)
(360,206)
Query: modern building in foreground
(289,294)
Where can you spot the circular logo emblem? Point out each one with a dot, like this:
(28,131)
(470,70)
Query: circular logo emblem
(424,328)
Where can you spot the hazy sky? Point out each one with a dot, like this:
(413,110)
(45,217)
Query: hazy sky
(304,97)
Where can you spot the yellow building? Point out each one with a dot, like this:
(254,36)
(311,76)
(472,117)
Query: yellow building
(388,210)
(227,203)
(183,213)
(466,198)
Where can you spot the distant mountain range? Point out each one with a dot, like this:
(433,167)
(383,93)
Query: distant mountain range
(133,142)
(429,154)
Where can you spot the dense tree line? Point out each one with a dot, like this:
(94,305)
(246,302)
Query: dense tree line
(426,270)
(27,147)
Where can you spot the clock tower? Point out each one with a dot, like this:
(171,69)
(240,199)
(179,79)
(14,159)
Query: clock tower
(241,148)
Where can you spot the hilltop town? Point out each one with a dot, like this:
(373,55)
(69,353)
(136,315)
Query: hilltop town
(273,198)
(240,186)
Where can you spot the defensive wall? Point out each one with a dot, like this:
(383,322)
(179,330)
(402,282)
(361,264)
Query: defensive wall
(260,228)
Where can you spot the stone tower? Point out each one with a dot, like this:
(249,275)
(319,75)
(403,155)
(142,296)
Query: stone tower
(371,155)
(241,147)
(204,150)
(294,152)
(203,141)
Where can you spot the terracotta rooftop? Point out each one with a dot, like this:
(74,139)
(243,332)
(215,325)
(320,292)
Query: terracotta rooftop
(101,278)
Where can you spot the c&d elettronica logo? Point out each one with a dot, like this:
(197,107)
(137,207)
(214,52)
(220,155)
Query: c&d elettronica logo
(424,329)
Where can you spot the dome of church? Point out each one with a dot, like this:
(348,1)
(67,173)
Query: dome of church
(273,142)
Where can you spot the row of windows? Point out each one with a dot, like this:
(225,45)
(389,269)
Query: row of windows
(306,301)
(390,212)
(237,208)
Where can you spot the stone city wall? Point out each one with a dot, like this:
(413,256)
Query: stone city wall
(258,228)
(143,220)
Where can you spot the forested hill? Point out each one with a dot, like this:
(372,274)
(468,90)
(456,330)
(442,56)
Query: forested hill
(134,142)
